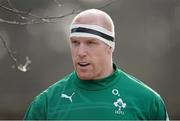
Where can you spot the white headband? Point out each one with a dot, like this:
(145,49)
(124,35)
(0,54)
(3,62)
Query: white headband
(87,30)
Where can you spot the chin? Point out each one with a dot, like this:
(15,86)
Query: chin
(84,76)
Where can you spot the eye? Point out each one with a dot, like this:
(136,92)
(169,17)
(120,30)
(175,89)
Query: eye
(92,43)
(74,42)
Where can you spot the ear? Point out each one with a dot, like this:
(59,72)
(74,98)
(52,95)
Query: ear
(110,50)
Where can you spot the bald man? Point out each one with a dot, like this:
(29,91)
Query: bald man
(97,89)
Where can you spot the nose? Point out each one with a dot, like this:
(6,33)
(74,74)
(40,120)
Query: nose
(82,51)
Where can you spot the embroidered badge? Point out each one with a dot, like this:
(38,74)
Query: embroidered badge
(119,103)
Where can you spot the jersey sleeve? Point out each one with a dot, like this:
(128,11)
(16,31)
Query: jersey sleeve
(37,109)
(159,111)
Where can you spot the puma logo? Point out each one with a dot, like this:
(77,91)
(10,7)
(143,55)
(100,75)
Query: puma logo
(68,97)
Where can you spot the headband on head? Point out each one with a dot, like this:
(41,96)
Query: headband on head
(87,30)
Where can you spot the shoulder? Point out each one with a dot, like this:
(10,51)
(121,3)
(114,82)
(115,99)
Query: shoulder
(137,85)
(144,97)
(39,106)
(54,89)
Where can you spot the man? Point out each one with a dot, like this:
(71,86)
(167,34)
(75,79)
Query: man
(97,89)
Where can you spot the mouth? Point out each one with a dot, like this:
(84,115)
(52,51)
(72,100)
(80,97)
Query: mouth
(83,64)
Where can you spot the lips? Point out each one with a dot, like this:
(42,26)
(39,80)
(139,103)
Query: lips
(83,64)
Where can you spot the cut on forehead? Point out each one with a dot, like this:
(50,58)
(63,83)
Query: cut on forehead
(94,17)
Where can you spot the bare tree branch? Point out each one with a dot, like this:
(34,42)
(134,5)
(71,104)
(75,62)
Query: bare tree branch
(24,68)
(3,3)
(21,16)
(20,67)
(16,11)
(10,53)
(38,19)
(35,21)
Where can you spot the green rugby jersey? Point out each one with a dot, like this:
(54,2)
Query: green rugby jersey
(116,97)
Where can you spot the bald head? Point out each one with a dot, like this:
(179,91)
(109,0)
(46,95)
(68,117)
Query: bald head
(94,17)
(94,23)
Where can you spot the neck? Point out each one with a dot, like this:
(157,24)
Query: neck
(108,71)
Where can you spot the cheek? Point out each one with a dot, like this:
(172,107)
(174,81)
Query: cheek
(73,55)
(101,54)
(73,52)
(102,59)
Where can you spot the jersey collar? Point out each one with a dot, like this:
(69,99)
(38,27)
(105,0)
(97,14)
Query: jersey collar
(98,84)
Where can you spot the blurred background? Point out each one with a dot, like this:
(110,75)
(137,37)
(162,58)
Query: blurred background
(147,46)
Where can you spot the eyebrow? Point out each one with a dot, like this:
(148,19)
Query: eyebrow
(90,39)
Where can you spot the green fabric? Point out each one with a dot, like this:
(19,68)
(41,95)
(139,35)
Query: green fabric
(116,97)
